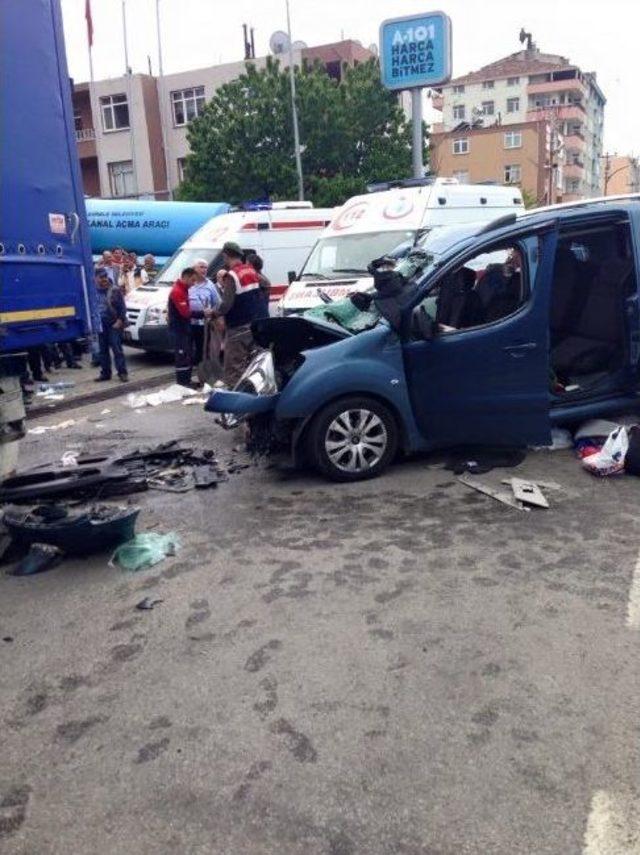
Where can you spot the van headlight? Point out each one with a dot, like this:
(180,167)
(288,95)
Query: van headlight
(156,316)
(260,376)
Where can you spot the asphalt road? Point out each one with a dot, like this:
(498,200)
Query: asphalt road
(400,667)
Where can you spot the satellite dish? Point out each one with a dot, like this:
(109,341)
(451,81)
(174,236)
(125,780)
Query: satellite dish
(299,45)
(373,47)
(279,42)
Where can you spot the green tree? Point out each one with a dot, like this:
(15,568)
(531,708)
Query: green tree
(352,133)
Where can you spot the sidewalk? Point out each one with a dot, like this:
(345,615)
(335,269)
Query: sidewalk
(146,371)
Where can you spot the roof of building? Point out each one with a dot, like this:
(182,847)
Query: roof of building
(464,128)
(521,62)
(347,50)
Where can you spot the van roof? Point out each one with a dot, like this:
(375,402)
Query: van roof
(406,208)
(228,226)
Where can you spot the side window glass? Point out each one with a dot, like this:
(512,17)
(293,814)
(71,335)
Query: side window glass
(484,289)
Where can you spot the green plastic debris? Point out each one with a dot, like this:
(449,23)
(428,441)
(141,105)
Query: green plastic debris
(345,314)
(145,550)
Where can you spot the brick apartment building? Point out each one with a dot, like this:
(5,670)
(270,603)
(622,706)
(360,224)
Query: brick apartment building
(621,174)
(531,118)
(123,124)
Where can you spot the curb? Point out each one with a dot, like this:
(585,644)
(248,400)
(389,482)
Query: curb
(103,394)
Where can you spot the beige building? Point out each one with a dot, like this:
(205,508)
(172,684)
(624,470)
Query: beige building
(516,154)
(132,131)
(621,174)
(531,86)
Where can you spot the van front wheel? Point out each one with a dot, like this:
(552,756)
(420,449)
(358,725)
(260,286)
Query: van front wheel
(352,439)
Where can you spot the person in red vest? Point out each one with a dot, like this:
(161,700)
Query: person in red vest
(242,303)
(179,317)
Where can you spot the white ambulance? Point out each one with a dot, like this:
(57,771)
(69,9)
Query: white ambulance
(387,219)
(282,235)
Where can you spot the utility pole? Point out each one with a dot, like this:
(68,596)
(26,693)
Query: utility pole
(129,101)
(294,111)
(163,106)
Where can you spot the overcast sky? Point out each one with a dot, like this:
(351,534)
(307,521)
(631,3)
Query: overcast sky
(597,36)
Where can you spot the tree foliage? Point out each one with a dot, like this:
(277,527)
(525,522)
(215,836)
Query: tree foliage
(352,133)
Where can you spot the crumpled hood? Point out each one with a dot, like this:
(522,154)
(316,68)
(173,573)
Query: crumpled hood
(291,335)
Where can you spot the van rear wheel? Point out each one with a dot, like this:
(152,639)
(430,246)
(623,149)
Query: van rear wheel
(353,439)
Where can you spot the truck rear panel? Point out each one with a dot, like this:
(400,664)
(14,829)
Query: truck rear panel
(46,281)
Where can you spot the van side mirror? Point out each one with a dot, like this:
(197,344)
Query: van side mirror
(292,276)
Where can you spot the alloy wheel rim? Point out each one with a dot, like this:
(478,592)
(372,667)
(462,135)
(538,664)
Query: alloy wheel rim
(356,440)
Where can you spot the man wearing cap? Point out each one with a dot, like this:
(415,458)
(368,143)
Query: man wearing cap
(241,304)
(113,316)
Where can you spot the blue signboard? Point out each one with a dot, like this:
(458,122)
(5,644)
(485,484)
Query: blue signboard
(415,51)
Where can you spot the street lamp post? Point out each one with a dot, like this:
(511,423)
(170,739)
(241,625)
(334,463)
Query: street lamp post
(294,111)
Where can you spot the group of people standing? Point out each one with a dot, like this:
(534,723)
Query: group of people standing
(117,274)
(217,317)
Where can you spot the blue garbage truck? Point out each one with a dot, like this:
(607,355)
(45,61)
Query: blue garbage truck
(46,282)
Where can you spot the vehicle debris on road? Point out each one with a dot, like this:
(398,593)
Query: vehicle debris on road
(147,604)
(145,550)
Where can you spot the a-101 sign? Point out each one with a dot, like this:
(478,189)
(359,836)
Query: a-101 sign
(415,51)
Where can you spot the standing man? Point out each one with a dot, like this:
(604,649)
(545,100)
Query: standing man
(113,317)
(150,267)
(242,303)
(179,312)
(109,264)
(204,295)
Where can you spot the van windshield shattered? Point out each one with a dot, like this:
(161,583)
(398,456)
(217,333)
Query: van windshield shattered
(336,256)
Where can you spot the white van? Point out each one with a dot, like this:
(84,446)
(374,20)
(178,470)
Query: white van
(282,235)
(370,226)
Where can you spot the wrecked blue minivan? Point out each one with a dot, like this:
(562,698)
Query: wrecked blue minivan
(482,335)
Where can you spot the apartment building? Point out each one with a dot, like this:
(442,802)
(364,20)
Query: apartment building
(132,131)
(540,88)
(500,154)
(621,174)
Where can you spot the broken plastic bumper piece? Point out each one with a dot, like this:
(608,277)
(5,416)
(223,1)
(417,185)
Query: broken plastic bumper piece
(240,403)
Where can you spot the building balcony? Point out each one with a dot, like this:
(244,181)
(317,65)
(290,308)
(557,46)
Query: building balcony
(567,112)
(571,85)
(86,142)
(574,170)
(575,142)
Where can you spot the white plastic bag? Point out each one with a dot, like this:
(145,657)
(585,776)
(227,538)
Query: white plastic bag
(610,459)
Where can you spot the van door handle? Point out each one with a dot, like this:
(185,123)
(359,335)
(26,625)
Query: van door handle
(520,350)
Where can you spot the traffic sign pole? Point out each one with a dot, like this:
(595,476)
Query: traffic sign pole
(416,120)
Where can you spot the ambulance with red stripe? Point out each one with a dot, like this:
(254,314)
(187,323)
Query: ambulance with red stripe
(282,234)
(388,220)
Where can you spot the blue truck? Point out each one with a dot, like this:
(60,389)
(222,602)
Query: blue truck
(46,282)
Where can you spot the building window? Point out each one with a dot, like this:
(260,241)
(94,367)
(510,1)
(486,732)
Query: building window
(513,105)
(115,112)
(573,185)
(458,111)
(487,84)
(182,162)
(121,178)
(187,104)
(512,174)
(513,139)
(461,146)
(488,108)
(459,89)
(77,120)
(462,176)
(513,81)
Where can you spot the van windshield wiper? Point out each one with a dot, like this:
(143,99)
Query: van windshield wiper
(313,275)
(349,270)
